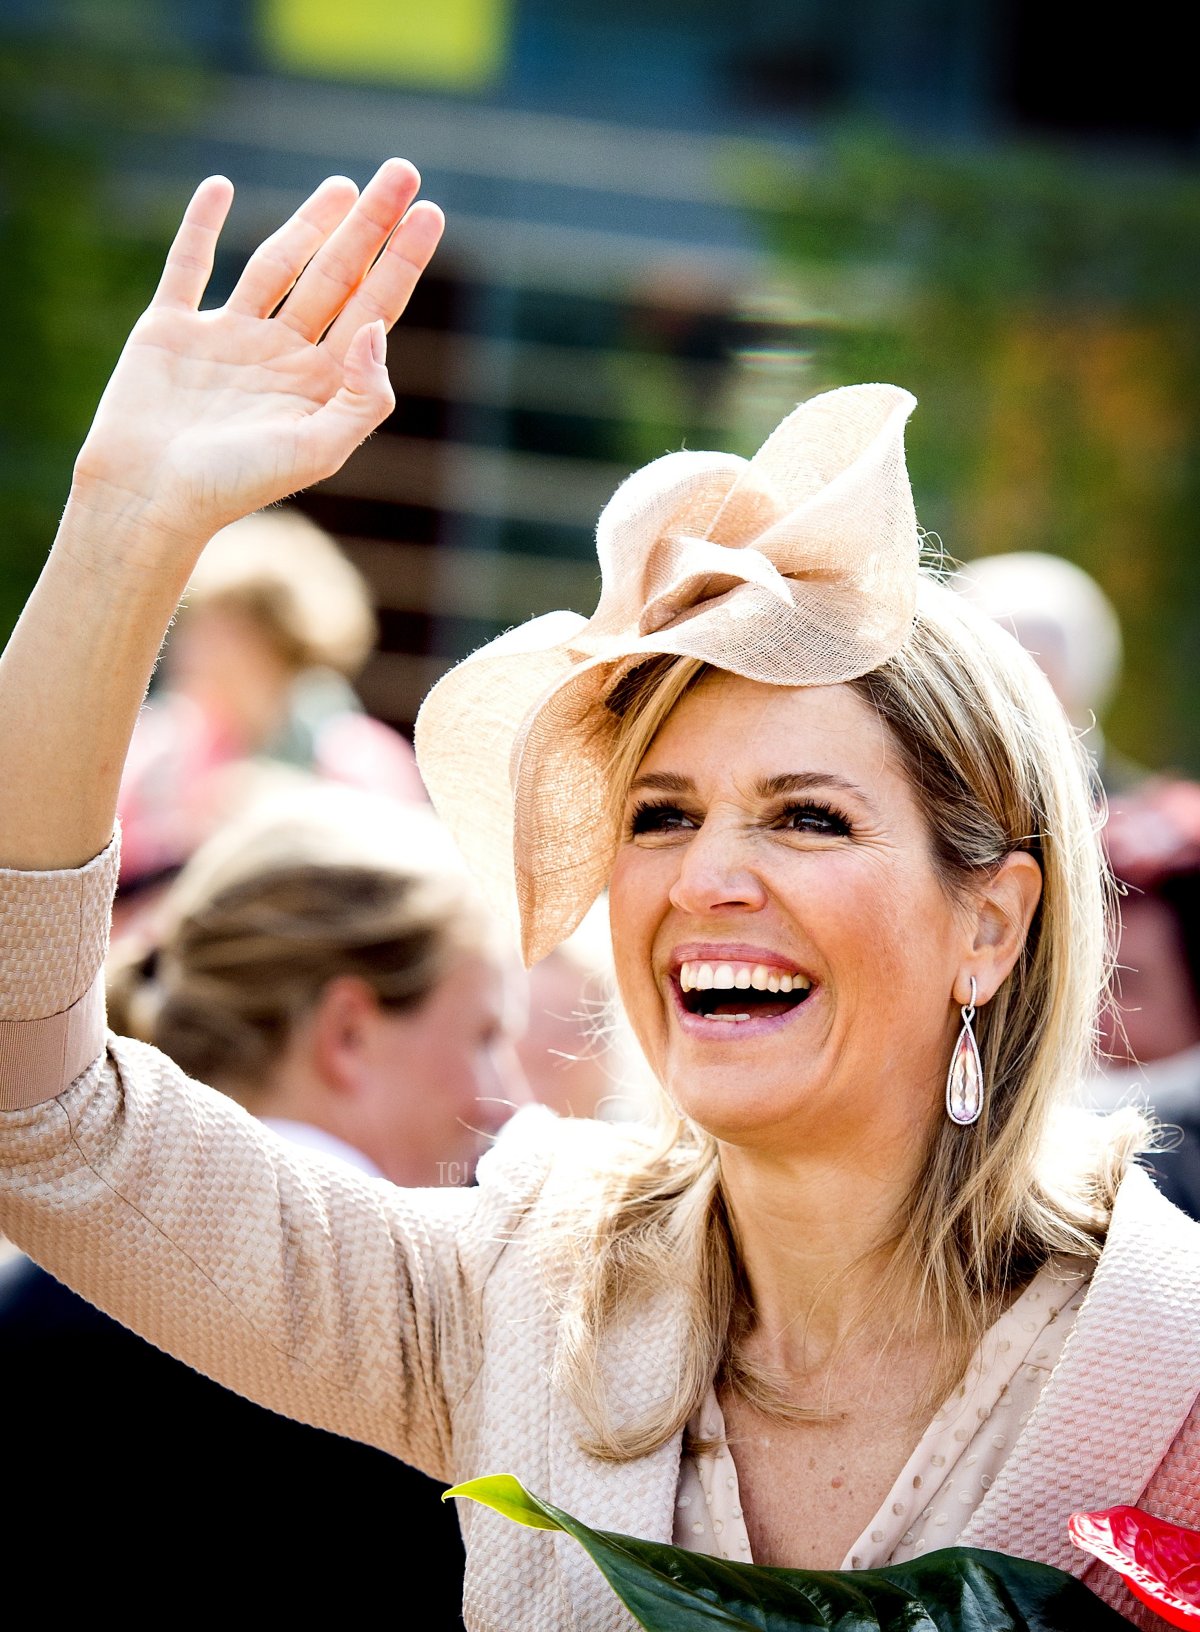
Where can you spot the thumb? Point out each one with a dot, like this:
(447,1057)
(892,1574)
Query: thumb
(365,365)
(361,404)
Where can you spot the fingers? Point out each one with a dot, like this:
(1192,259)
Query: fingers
(344,260)
(189,261)
(280,259)
(386,290)
(328,437)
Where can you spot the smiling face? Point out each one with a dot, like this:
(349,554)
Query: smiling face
(786,951)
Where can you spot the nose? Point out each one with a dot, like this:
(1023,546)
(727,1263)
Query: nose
(514,1083)
(716,872)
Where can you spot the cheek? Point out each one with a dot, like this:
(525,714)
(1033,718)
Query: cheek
(450,1064)
(461,1078)
(419,1056)
(635,908)
(893,924)
(880,919)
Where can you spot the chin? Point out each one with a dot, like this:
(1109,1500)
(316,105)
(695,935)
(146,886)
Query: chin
(742,1110)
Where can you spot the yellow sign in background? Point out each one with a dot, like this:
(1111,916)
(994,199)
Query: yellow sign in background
(458,44)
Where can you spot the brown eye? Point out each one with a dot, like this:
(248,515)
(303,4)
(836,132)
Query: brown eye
(651,818)
(821,820)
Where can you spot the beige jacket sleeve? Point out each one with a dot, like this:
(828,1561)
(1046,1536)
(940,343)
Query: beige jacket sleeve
(337,1299)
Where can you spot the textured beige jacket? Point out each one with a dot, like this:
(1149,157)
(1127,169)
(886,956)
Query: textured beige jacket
(424,1321)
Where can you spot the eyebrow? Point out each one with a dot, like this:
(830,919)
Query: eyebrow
(767,787)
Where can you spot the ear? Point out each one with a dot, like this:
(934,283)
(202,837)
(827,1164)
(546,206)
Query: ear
(1000,918)
(340,1029)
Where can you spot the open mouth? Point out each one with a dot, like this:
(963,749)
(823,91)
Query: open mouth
(739,992)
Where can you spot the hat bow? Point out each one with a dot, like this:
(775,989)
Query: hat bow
(812,543)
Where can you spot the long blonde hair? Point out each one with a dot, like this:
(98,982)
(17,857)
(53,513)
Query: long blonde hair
(997,768)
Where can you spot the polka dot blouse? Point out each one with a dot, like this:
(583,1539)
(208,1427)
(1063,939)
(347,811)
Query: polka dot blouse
(948,1474)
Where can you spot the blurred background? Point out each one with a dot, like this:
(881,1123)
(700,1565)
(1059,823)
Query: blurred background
(669,222)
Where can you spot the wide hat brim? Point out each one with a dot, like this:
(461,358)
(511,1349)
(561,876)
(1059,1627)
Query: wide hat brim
(797,567)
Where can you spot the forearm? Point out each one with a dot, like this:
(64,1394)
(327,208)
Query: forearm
(73,677)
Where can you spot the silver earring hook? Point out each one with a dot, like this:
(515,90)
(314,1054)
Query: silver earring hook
(968,1009)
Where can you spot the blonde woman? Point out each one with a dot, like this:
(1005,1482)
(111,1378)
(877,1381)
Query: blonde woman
(325,962)
(873,1290)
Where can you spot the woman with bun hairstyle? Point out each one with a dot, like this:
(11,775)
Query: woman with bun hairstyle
(325,961)
(874,1287)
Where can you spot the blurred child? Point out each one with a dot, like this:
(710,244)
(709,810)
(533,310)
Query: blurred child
(577,1051)
(275,624)
(1066,622)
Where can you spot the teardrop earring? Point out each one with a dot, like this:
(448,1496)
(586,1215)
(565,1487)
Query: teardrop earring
(964,1083)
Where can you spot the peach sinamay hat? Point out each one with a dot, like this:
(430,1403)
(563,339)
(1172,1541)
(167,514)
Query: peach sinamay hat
(797,567)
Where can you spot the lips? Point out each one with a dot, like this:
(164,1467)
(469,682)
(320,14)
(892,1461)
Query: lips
(726,989)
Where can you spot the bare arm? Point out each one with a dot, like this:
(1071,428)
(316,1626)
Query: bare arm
(338,1299)
(208,416)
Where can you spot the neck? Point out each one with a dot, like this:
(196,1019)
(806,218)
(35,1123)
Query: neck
(815,1235)
(290,1091)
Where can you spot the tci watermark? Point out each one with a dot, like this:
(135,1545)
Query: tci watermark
(454,1172)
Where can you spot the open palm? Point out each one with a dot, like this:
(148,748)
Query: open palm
(209,415)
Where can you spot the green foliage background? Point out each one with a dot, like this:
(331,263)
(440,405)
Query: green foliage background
(1042,307)
(77,265)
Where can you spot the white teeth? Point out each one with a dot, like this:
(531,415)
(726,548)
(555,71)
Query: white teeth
(724,1017)
(741,977)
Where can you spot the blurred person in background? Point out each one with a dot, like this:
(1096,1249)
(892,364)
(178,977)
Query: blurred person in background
(275,625)
(327,964)
(1151,1030)
(1067,623)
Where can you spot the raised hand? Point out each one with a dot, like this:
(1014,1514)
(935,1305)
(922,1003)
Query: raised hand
(210,415)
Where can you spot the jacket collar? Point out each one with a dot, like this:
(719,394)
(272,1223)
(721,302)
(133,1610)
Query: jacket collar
(1128,1377)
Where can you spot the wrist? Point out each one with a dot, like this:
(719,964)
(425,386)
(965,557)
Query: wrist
(113,532)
